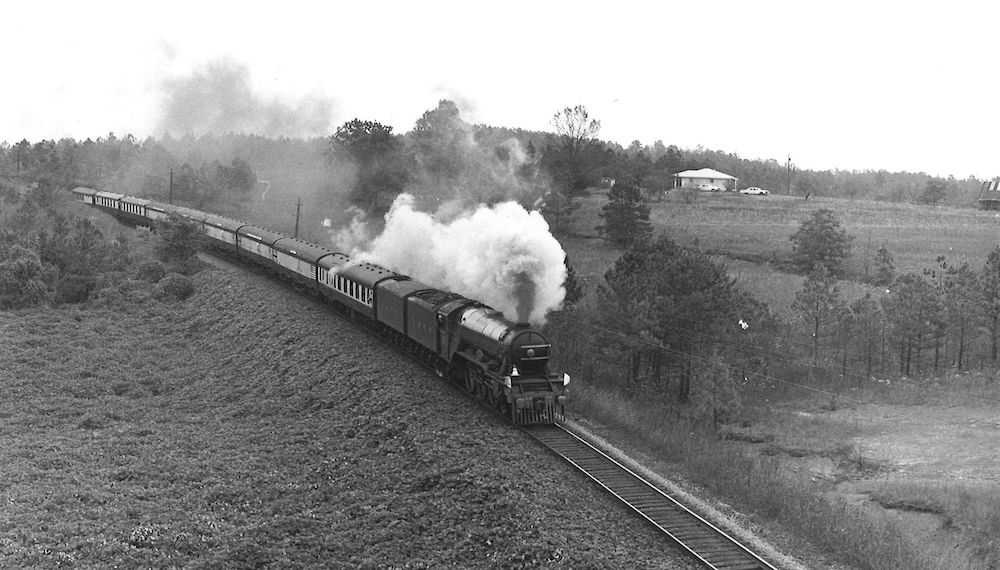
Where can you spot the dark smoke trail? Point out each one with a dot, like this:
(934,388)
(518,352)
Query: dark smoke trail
(524,294)
(218,98)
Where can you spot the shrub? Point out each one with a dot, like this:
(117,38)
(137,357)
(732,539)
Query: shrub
(109,297)
(74,288)
(151,271)
(177,242)
(174,287)
(21,278)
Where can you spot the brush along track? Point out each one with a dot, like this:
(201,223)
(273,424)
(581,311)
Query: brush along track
(706,542)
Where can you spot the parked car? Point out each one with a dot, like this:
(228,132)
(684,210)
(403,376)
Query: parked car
(754,190)
(708,188)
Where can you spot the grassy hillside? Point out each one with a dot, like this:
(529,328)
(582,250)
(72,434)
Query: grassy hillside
(249,427)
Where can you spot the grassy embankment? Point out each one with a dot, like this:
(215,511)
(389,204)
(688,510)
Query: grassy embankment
(750,235)
(249,427)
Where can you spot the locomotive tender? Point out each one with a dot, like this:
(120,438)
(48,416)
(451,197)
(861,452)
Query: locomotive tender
(500,362)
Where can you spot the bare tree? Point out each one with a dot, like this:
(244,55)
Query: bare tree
(577,131)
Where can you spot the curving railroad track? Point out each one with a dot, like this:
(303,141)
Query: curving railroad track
(701,538)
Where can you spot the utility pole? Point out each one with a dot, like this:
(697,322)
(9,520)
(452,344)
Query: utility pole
(298,208)
(171,201)
(788,176)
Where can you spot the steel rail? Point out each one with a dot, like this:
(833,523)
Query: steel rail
(706,542)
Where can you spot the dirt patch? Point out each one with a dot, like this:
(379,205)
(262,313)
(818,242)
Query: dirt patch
(906,447)
(930,442)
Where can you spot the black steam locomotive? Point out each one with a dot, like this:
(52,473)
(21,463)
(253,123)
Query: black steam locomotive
(500,362)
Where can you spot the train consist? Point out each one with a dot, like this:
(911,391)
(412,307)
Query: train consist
(498,361)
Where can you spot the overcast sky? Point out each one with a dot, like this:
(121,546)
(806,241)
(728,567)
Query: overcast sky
(849,85)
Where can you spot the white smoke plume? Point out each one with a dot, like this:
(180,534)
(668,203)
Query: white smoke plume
(503,256)
(353,237)
(218,98)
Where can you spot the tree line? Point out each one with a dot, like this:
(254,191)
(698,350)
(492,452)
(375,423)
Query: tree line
(441,156)
(147,168)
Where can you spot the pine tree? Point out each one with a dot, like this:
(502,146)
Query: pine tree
(885,268)
(819,306)
(820,241)
(574,292)
(715,396)
(626,218)
(557,210)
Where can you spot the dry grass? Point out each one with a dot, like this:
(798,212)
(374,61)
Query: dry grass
(756,482)
(971,507)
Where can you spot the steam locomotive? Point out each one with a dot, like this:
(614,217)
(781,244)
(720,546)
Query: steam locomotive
(500,362)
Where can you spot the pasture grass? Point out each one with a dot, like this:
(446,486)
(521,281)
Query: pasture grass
(750,234)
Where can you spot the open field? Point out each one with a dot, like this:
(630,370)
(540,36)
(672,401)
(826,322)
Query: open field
(750,235)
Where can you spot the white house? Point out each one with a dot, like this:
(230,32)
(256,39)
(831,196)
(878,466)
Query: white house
(695,178)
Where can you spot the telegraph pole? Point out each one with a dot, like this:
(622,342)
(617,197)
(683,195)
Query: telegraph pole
(171,200)
(298,208)
(788,176)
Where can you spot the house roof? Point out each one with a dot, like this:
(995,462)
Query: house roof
(703,173)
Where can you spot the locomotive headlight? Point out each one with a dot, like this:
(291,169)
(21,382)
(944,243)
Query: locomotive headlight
(565,379)
(514,372)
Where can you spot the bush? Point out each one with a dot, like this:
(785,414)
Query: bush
(22,278)
(177,242)
(109,297)
(174,287)
(74,288)
(151,271)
